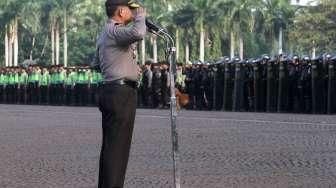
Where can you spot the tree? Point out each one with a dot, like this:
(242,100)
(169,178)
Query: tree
(9,18)
(184,19)
(241,22)
(314,29)
(204,29)
(278,16)
(199,15)
(31,23)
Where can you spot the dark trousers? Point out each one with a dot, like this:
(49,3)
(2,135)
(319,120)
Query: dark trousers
(93,94)
(81,94)
(60,94)
(44,95)
(10,92)
(22,98)
(33,93)
(52,94)
(69,95)
(2,91)
(117,104)
(146,97)
(156,97)
(164,96)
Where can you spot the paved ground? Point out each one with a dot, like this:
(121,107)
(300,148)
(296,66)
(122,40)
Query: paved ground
(42,147)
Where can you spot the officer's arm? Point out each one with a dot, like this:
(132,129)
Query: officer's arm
(95,64)
(125,35)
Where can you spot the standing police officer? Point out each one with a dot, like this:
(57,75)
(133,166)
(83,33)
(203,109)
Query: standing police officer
(44,86)
(147,84)
(118,93)
(2,85)
(69,87)
(156,86)
(10,90)
(164,85)
(23,81)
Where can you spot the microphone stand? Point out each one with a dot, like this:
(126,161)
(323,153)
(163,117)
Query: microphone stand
(171,52)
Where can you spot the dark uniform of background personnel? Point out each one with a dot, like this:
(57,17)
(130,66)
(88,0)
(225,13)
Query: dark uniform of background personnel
(118,93)
(156,86)
(147,85)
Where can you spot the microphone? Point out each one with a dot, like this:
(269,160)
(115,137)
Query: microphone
(153,27)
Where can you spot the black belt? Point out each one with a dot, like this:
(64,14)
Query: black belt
(122,82)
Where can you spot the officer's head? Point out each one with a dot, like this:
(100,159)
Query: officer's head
(149,63)
(121,10)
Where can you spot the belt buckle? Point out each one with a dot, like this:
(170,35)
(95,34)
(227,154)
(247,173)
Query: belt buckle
(122,82)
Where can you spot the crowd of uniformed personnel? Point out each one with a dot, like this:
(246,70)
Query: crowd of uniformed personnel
(53,85)
(279,84)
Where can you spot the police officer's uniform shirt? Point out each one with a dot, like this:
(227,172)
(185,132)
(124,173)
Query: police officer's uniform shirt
(116,49)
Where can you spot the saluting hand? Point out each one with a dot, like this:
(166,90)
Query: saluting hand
(140,12)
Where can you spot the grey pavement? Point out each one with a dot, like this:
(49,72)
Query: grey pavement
(58,147)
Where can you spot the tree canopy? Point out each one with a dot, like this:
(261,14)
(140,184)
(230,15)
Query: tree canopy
(205,29)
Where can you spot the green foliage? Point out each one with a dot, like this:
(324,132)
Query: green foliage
(315,27)
(214,49)
(257,21)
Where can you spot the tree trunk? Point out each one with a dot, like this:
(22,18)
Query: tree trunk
(177,43)
(53,41)
(201,57)
(16,43)
(143,51)
(57,43)
(280,40)
(314,50)
(232,45)
(241,47)
(65,42)
(10,45)
(155,58)
(32,48)
(6,47)
(45,46)
(187,53)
